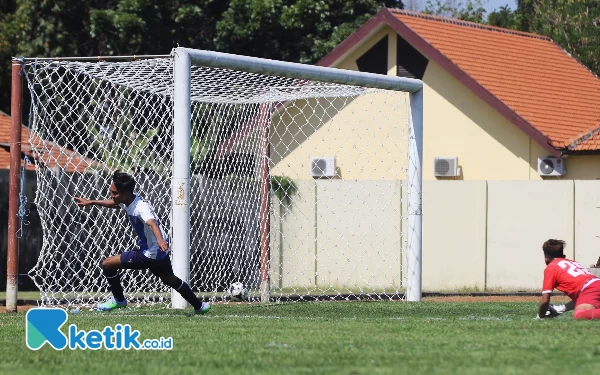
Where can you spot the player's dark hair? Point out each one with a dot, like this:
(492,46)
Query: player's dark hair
(124,182)
(554,248)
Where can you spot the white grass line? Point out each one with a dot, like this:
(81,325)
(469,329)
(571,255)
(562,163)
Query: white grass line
(93,314)
(235,316)
(474,317)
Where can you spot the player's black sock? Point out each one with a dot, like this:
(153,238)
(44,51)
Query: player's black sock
(114,280)
(186,292)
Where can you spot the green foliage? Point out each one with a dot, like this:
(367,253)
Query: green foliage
(525,14)
(291,30)
(574,25)
(8,49)
(154,26)
(503,17)
(284,189)
(472,10)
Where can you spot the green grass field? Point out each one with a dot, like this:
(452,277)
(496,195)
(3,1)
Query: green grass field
(325,338)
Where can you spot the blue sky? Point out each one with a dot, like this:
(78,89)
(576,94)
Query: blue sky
(489,5)
(495,4)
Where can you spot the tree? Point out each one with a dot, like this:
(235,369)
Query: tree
(573,24)
(155,26)
(504,17)
(8,49)
(41,28)
(292,30)
(472,11)
(525,14)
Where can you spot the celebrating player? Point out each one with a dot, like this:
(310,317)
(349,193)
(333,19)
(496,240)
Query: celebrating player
(571,278)
(153,252)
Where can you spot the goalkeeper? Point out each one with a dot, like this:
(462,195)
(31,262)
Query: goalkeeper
(153,252)
(571,278)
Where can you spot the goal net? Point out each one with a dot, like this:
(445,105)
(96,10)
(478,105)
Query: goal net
(297,188)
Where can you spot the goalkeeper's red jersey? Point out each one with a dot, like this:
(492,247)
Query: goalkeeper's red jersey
(567,276)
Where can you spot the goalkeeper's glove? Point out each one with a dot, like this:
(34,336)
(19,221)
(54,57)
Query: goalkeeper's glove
(559,308)
(553,311)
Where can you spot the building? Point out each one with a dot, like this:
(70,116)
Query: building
(518,114)
(496,99)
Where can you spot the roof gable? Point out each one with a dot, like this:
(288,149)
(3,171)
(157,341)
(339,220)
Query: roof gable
(526,77)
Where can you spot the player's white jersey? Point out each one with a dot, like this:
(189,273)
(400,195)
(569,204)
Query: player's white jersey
(139,212)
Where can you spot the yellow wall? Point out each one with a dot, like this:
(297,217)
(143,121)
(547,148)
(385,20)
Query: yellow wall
(332,237)
(367,142)
(582,167)
(579,167)
(521,216)
(586,244)
(458,123)
(367,135)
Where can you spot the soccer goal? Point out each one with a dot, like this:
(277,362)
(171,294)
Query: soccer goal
(301,182)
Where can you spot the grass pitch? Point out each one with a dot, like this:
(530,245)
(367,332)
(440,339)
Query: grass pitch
(325,338)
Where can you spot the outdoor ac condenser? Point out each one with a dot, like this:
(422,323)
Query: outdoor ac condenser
(322,167)
(551,166)
(445,167)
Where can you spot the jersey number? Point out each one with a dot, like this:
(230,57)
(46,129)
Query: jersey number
(575,269)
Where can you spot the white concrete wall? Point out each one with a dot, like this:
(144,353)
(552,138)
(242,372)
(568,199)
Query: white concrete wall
(454,228)
(293,234)
(521,216)
(358,234)
(477,235)
(338,234)
(587,222)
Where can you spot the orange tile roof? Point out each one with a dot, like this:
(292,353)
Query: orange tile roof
(530,73)
(526,77)
(5,125)
(52,155)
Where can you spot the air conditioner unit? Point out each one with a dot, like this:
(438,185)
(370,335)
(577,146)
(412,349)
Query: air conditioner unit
(551,166)
(322,167)
(445,167)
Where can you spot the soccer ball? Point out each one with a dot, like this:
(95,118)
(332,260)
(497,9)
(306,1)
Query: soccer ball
(238,292)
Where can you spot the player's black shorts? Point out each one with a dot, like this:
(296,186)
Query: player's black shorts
(136,260)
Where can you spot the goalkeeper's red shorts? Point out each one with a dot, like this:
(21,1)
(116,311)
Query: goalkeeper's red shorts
(590,295)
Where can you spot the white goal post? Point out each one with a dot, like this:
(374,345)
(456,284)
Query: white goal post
(303,182)
(184,58)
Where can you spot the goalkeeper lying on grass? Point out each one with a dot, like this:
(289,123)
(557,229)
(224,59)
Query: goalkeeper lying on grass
(571,278)
(153,252)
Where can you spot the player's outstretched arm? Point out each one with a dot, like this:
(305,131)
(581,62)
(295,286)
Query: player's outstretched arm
(82,202)
(563,308)
(544,304)
(570,305)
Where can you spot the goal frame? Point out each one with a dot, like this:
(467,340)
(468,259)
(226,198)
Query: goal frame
(184,58)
